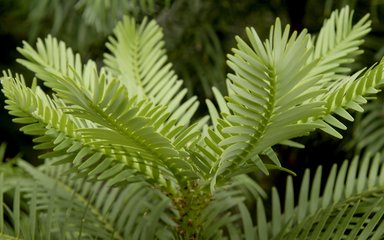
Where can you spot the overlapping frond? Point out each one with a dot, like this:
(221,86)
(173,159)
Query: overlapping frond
(336,47)
(348,93)
(48,204)
(138,59)
(18,218)
(129,123)
(88,209)
(221,217)
(349,207)
(133,129)
(66,136)
(368,128)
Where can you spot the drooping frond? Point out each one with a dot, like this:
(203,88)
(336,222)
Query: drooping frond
(48,203)
(65,135)
(349,207)
(86,209)
(18,218)
(279,90)
(135,130)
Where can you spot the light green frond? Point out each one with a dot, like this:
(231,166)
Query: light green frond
(352,200)
(34,108)
(50,59)
(337,45)
(207,151)
(139,60)
(66,136)
(348,93)
(269,97)
(217,112)
(137,131)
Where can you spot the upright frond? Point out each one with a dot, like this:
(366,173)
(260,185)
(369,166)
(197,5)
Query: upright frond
(286,87)
(269,97)
(337,44)
(139,60)
(335,48)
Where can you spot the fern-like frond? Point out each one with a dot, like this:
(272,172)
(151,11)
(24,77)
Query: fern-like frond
(286,87)
(368,128)
(83,209)
(152,137)
(349,207)
(207,151)
(348,93)
(337,45)
(47,203)
(269,96)
(65,136)
(18,217)
(139,60)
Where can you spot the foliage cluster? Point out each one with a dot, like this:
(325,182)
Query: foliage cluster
(127,157)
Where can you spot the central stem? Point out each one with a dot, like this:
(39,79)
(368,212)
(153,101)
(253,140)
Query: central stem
(190,204)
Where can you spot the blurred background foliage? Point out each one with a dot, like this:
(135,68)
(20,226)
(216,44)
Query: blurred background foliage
(198,35)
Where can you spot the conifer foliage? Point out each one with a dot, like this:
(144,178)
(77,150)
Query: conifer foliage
(126,158)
